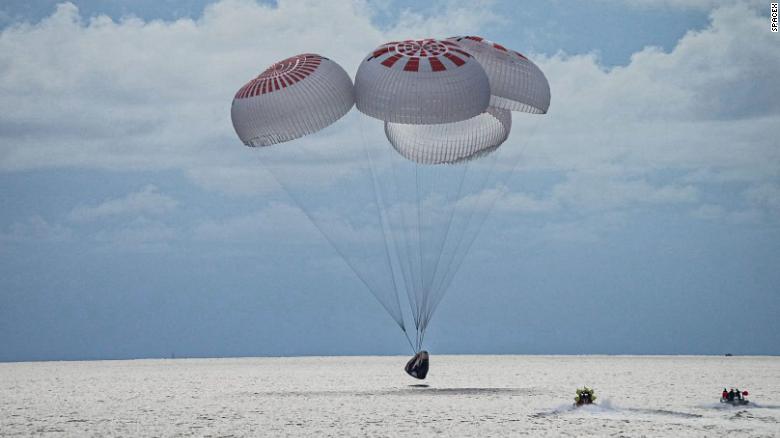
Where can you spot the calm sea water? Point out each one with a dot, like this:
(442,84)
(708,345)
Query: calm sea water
(371,396)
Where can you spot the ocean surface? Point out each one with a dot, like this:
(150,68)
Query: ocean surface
(371,396)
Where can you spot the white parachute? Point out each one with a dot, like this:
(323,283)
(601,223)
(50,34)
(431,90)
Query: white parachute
(516,83)
(451,142)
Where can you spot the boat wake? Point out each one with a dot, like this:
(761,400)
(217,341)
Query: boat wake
(607,407)
(601,407)
(729,407)
(665,412)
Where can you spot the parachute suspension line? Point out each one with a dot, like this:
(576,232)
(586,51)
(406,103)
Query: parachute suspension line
(385,202)
(420,299)
(480,219)
(443,240)
(409,340)
(439,288)
(458,257)
(407,261)
(436,280)
(440,179)
(428,198)
(425,178)
(395,214)
(419,181)
(480,186)
(449,175)
(333,244)
(470,243)
(436,198)
(379,202)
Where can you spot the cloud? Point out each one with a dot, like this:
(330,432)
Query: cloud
(600,192)
(708,104)
(526,203)
(570,232)
(147,201)
(719,213)
(137,94)
(709,212)
(356,230)
(140,235)
(455,18)
(685,4)
(155,95)
(5,17)
(276,219)
(134,114)
(761,204)
(36,229)
(593,192)
(765,195)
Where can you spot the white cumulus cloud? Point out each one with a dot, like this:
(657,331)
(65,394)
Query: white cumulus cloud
(135,94)
(36,229)
(148,201)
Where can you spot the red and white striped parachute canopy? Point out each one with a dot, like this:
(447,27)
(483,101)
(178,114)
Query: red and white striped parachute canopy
(292,98)
(421,55)
(424,81)
(516,83)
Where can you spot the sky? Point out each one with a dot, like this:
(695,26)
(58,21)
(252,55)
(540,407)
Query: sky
(643,216)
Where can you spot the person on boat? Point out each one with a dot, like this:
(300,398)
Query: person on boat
(731,394)
(585,396)
(725,394)
(737,394)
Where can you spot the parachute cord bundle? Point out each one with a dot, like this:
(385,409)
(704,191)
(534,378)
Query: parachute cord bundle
(478,218)
(430,243)
(385,227)
(417,251)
